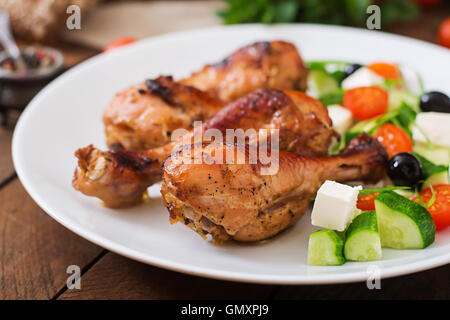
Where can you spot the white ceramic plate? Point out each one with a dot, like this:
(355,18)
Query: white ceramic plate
(66,115)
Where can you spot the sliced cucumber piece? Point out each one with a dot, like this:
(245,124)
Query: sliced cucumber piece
(397,97)
(433,174)
(437,155)
(325,248)
(335,69)
(365,126)
(405,193)
(437,178)
(403,224)
(320,83)
(362,238)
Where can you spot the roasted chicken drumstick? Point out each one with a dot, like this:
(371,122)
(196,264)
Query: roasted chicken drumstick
(234,201)
(120,178)
(275,64)
(144,116)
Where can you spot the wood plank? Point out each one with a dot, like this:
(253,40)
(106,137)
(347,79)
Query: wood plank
(6,164)
(142,19)
(431,284)
(35,250)
(115,277)
(75,54)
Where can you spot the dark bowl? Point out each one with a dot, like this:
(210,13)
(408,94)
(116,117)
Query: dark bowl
(17,89)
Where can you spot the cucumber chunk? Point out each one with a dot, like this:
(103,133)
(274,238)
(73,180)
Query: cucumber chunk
(397,97)
(437,155)
(320,83)
(403,224)
(433,174)
(362,239)
(435,179)
(325,248)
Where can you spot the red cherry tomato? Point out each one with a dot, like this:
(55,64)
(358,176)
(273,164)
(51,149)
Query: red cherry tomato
(119,42)
(366,102)
(444,33)
(386,70)
(440,210)
(367,202)
(394,139)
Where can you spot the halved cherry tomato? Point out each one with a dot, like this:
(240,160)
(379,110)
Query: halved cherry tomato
(444,33)
(366,102)
(119,42)
(394,139)
(367,202)
(386,70)
(440,210)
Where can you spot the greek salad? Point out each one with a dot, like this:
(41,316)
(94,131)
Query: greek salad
(389,102)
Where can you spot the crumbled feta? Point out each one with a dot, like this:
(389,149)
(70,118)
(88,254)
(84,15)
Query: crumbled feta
(433,125)
(412,80)
(335,206)
(363,77)
(341,117)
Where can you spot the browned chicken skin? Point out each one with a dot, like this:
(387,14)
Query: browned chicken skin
(275,64)
(235,201)
(115,177)
(144,116)
(120,178)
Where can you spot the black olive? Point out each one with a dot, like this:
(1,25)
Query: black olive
(404,169)
(350,69)
(435,101)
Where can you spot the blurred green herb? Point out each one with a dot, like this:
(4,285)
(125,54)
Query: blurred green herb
(331,98)
(402,116)
(345,12)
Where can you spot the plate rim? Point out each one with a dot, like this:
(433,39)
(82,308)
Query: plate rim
(227,275)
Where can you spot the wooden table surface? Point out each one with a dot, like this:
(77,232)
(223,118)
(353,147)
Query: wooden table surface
(35,250)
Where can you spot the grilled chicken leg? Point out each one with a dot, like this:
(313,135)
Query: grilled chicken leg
(234,201)
(275,64)
(121,177)
(144,116)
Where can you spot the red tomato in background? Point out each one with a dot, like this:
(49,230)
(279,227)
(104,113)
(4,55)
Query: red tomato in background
(440,210)
(427,3)
(443,35)
(394,139)
(119,42)
(366,102)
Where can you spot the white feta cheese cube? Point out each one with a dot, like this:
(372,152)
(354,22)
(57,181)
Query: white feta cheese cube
(412,80)
(342,118)
(363,77)
(335,206)
(435,126)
